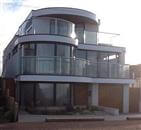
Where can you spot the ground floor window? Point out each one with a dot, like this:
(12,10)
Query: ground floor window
(44,94)
(62,94)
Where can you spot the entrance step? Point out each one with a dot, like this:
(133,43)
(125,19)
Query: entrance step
(73,118)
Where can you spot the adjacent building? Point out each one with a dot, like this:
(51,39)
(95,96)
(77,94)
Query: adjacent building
(56,59)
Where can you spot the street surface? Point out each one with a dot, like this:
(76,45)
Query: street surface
(101,125)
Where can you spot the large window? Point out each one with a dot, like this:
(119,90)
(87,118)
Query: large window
(62,94)
(46,58)
(44,94)
(27,95)
(47,50)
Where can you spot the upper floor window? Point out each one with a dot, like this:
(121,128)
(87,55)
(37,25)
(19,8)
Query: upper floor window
(80,32)
(114,58)
(45,49)
(92,56)
(81,54)
(28,49)
(52,26)
(63,28)
(63,51)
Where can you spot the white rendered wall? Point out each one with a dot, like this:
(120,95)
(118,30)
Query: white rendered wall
(125,98)
(94,95)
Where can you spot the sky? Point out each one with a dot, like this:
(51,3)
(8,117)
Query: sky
(116,16)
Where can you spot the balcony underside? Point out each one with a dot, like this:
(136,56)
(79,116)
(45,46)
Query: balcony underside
(68,79)
(47,37)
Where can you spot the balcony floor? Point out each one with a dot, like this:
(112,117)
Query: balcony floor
(68,79)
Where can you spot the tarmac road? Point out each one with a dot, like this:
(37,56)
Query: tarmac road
(86,125)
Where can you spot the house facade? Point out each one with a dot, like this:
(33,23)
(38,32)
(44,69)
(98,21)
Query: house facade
(56,59)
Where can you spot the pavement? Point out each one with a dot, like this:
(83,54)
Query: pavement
(42,118)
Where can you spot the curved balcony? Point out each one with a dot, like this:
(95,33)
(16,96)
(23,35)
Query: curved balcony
(32,65)
(47,26)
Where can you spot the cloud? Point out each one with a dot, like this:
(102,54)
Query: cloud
(12,5)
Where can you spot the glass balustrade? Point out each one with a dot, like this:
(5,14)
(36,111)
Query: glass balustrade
(56,26)
(73,67)
(48,26)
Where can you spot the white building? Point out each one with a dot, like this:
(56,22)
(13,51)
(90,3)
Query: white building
(56,60)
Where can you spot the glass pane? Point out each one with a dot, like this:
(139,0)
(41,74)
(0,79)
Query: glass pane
(46,50)
(27,95)
(62,94)
(28,26)
(45,65)
(79,67)
(63,51)
(113,58)
(80,64)
(92,64)
(44,94)
(81,54)
(28,49)
(52,26)
(80,32)
(103,64)
(28,65)
(92,56)
(63,28)
(90,37)
(45,61)
(63,59)
(114,65)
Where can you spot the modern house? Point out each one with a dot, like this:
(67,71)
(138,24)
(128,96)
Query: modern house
(56,59)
